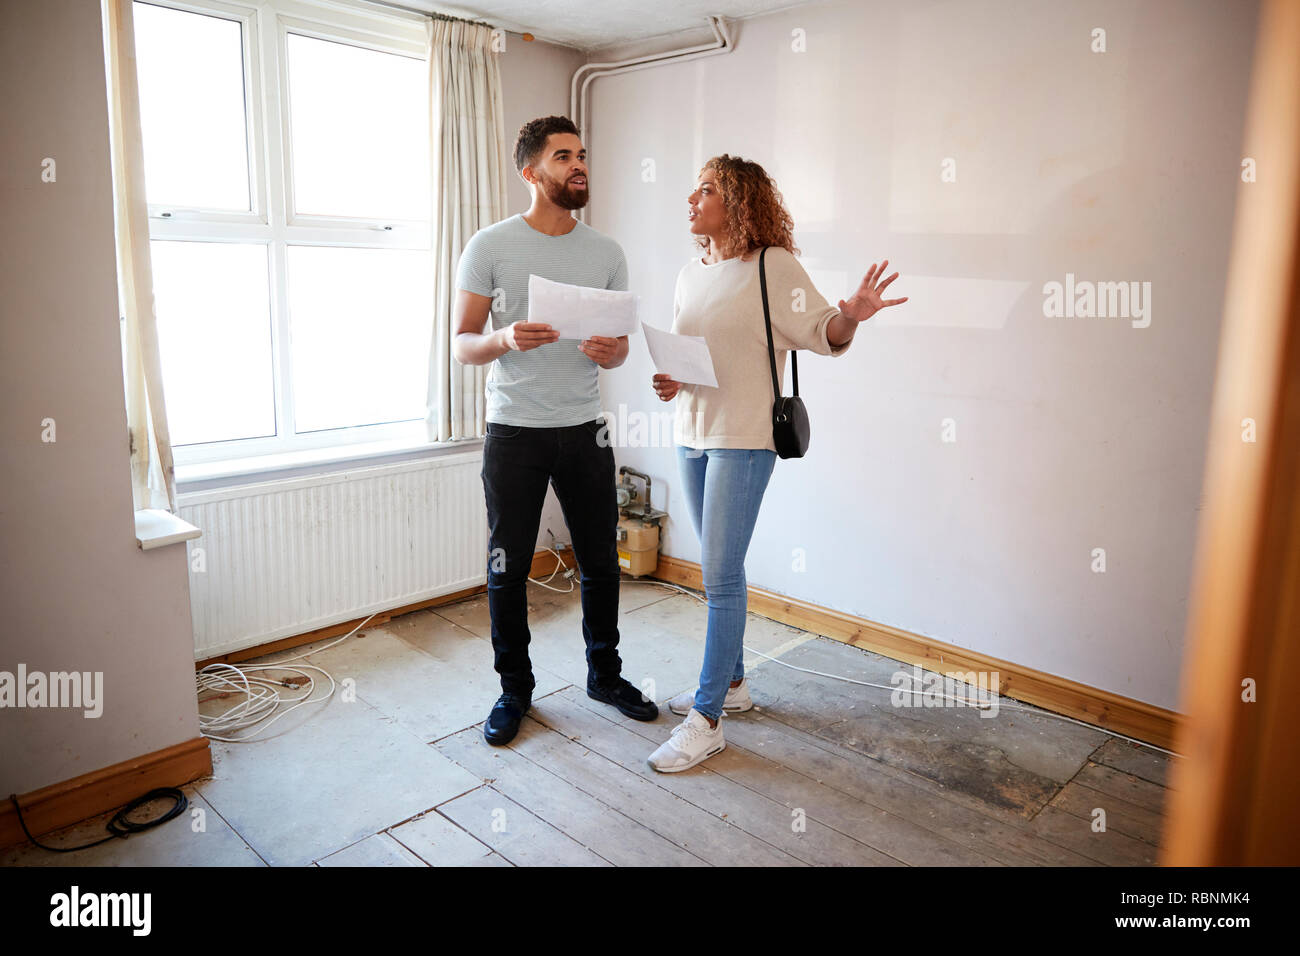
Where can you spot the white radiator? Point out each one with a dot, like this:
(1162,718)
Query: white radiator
(281,558)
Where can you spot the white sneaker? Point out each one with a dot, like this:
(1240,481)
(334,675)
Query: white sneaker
(736,701)
(693,740)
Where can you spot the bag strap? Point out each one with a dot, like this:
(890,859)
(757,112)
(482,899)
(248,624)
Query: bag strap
(767,320)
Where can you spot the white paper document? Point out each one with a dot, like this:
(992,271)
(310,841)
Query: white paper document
(685,358)
(579,312)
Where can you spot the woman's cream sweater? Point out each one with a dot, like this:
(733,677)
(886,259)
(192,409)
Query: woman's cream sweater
(722,302)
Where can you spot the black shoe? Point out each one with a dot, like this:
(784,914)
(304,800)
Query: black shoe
(503,722)
(619,692)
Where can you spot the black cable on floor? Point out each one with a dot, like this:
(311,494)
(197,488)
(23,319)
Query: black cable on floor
(119,826)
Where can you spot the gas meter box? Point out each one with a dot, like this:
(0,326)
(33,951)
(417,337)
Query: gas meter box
(638,546)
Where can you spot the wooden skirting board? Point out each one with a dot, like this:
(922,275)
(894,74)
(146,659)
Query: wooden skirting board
(63,804)
(1133,718)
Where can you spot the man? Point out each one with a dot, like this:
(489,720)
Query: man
(543,419)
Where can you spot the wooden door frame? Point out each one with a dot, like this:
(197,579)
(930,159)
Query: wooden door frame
(1235,795)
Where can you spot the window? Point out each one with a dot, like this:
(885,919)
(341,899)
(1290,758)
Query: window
(286,152)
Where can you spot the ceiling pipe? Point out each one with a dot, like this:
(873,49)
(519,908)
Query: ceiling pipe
(719,40)
(586,74)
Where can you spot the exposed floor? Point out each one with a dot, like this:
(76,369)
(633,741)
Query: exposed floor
(820,772)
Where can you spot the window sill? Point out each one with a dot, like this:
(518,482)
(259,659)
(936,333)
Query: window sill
(202,475)
(155,528)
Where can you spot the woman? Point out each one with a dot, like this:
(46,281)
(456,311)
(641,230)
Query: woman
(725,449)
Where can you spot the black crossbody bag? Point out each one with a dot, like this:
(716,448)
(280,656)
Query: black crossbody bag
(790,429)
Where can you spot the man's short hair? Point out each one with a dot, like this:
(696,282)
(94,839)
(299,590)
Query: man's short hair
(532,137)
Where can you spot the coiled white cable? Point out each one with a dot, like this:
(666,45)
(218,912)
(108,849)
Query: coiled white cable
(262,696)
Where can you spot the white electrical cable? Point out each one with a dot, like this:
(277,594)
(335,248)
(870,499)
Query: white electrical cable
(262,696)
(966,700)
(568,573)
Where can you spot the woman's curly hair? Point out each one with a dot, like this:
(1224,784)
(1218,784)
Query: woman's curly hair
(755,212)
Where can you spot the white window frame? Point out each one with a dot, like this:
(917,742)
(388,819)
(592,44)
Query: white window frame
(265,26)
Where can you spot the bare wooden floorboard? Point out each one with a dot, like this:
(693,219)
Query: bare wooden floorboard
(1125,786)
(812,743)
(1015,760)
(914,798)
(600,828)
(1111,848)
(754,813)
(1132,758)
(890,834)
(1125,817)
(517,835)
(707,835)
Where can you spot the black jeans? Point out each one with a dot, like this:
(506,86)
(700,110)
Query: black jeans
(518,463)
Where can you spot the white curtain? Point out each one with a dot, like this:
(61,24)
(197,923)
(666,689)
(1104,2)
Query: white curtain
(153,480)
(468,160)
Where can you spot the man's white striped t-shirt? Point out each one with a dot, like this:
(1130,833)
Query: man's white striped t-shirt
(555,384)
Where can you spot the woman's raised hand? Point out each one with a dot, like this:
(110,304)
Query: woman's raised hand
(866,302)
(665,387)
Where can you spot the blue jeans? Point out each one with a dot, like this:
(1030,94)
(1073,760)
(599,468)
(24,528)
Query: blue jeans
(724,489)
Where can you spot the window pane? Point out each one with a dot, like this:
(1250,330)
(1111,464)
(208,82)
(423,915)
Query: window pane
(214,332)
(191,77)
(359,122)
(361,321)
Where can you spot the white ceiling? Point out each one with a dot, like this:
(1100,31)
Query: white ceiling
(597,24)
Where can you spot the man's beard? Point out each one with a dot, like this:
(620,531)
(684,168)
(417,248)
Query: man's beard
(560,193)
